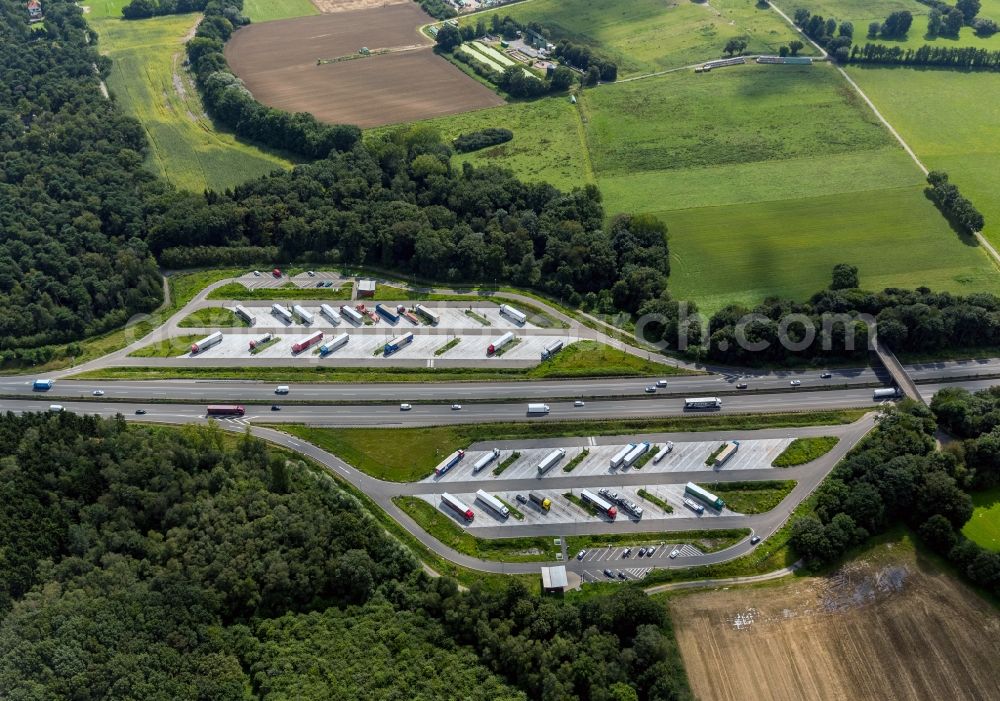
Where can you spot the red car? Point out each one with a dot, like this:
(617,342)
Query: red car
(276,272)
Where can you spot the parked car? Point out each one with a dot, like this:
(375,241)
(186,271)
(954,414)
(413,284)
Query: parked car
(98,393)
(456,407)
(826,375)
(622,575)
(628,551)
(754,540)
(522,499)
(311,273)
(649,553)
(650,389)
(405,407)
(661,383)
(741,385)
(320,284)
(579,555)
(578,402)
(609,573)
(795,383)
(256,273)
(674,553)
(140,412)
(642,551)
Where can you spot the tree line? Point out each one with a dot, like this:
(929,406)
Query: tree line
(835,37)
(946,56)
(159,563)
(72,185)
(896,476)
(955,207)
(828,326)
(230,9)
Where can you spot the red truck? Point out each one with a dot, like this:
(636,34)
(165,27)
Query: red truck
(225,410)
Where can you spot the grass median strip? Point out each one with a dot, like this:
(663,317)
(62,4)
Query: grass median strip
(586,506)
(265,345)
(645,458)
(577,459)
(409,454)
(507,462)
(447,346)
(237,290)
(212,316)
(803,450)
(478,317)
(653,499)
(514,511)
(439,525)
(751,497)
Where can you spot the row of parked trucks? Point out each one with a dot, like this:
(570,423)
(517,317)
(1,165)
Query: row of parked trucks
(627,456)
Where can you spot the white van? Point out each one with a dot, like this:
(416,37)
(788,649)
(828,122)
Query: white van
(281,389)
(55,407)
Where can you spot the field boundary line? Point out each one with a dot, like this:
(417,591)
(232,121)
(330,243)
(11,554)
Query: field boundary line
(581,130)
(700,583)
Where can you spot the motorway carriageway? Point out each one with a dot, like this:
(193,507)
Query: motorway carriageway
(390,416)
(216,391)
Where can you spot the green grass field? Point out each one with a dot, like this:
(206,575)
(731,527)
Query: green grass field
(963,139)
(984,526)
(644,36)
(150,83)
(267,10)
(803,450)
(169,348)
(751,497)
(211,316)
(862,12)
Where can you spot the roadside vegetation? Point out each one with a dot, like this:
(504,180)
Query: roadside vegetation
(210,317)
(751,497)
(576,460)
(506,462)
(168,348)
(410,454)
(442,527)
(237,290)
(653,499)
(803,450)
(984,525)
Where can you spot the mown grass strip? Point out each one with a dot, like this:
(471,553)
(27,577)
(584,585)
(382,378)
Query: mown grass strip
(447,346)
(586,506)
(237,290)
(437,524)
(410,454)
(478,317)
(212,317)
(751,497)
(803,450)
(514,511)
(168,348)
(645,458)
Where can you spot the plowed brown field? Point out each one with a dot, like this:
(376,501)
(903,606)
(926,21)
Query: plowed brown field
(885,631)
(278,63)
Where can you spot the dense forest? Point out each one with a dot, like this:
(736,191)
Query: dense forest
(72,188)
(148,563)
(896,476)
(822,328)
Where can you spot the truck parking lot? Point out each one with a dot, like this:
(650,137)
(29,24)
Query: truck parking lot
(685,457)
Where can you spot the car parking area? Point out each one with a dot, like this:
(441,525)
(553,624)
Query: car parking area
(685,457)
(597,560)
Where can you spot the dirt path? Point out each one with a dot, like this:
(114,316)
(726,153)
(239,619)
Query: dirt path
(724,581)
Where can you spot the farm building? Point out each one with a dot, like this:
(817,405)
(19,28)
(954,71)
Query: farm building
(366,288)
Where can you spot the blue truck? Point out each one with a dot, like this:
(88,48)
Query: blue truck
(387,313)
(397,343)
(42,385)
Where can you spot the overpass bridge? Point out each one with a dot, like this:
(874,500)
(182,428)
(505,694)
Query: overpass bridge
(897,372)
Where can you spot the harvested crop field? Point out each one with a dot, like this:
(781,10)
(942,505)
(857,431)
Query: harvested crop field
(278,61)
(886,629)
(328,6)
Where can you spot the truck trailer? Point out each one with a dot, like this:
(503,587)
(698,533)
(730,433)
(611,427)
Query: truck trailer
(458,505)
(330,313)
(42,385)
(352,314)
(637,452)
(307,342)
(513,314)
(334,343)
(449,463)
(886,393)
(693,505)
(225,410)
(244,313)
(395,344)
(304,314)
(494,504)
(485,460)
(499,343)
(698,493)
(703,403)
(260,341)
(728,451)
(538,409)
(618,458)
(210,340)
(599,503)
(432,317)
(549,460)
(540,500)
(386,313)
(282,312)
(551,349)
